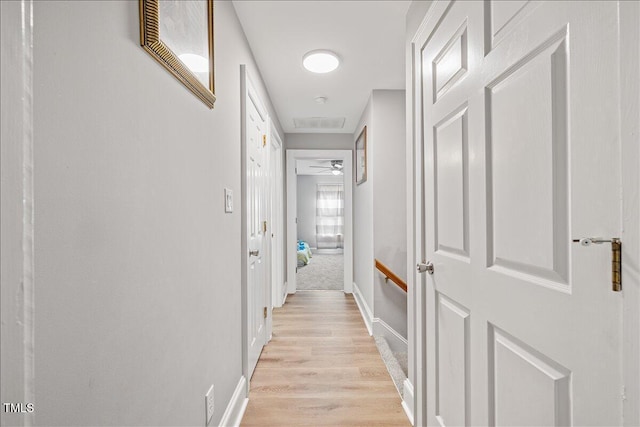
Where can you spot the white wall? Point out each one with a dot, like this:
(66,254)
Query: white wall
(306,191)
(380,208)
(319,141)
(389,205)
(363,215)
(415,15)
(137,270)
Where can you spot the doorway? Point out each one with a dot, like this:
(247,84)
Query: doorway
(319,220)
(320,226)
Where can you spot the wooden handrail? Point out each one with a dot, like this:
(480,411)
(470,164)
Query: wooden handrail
(388,274)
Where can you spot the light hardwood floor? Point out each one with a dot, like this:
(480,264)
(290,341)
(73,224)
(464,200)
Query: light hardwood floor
(322,368)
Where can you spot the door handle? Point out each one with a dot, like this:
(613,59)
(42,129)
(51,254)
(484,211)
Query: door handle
(254,253)
(425,266)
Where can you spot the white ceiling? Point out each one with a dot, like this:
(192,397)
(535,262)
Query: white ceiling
(368,36)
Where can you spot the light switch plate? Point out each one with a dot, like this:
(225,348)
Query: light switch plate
(228,200)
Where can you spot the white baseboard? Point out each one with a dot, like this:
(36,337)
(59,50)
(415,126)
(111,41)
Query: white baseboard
(407,401)
(396,342)
(365,311)
(284,297)
(237,405)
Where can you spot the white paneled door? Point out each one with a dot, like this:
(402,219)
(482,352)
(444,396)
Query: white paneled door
(519,104)
(256,210)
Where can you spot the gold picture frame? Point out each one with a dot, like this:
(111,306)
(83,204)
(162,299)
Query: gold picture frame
(360,154)
(179,35)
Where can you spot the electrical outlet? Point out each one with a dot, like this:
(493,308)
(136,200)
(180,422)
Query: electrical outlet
(228,200)
(208,400)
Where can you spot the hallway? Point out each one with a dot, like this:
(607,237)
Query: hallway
(321,368)
(150,152)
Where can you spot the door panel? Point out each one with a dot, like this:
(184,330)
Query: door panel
(453,361)
(450,65)
(502,17)
(525,387)
(526,136)
(520,142)
(452,190)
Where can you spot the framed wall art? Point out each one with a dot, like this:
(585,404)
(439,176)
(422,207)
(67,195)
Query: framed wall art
(179,35)
(361,157)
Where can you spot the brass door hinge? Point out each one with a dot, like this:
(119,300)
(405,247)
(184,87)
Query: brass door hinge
(264,140)
(616,258)
(264,226)
(616,265)
(265,312)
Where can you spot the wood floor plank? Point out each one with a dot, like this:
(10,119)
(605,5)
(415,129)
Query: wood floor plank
(320,389)
(352,411)
(319,375)
(326,341)
(321,368)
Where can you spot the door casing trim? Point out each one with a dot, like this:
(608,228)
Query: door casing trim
(347,161)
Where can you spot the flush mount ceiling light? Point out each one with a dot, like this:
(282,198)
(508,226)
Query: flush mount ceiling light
(320,61)
(321,99)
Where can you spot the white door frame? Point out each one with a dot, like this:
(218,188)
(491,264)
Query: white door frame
(630,165)
(630,236)
(276,223)
(416,250)
(17,195)
(292,184)
(247,89)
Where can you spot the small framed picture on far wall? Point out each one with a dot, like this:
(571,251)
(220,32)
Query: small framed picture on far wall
(361,157)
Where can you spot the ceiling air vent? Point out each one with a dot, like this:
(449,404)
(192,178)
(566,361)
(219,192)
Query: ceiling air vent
(319,122)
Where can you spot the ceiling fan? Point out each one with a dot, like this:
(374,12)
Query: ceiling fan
(335,167)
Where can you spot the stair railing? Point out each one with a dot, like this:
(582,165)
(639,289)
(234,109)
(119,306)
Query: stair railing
(390,275)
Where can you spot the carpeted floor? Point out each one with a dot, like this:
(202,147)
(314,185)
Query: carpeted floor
(396,363)
(324,272)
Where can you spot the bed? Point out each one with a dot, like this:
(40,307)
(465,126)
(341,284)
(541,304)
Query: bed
(304,253)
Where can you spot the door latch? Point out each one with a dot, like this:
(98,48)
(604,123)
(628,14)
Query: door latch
(616,258)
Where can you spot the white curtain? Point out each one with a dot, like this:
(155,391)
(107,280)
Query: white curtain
(330,216)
